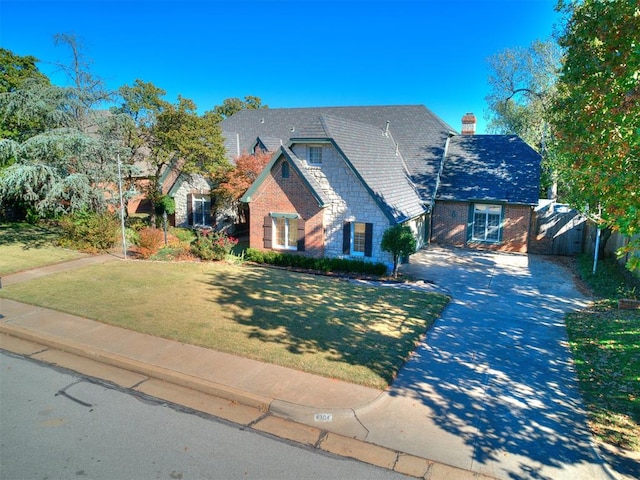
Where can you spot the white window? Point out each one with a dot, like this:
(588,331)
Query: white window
(487,220)
(285,233)
(201,210)
(315,155)
(358,239)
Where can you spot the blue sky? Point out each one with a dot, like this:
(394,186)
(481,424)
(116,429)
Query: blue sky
(290,53)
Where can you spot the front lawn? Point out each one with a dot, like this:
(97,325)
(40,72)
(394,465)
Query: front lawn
(24,246)
(361,334)
(606,345)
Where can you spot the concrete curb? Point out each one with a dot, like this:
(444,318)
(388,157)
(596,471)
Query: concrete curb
(153,371)
(279,418)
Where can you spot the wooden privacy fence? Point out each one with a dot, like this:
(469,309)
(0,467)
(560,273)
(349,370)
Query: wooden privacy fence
(558,230)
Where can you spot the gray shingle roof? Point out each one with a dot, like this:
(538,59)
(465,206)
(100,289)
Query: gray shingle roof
(372,154)
(490,167)
(420,134)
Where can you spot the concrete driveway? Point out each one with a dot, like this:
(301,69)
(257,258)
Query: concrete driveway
(492,388)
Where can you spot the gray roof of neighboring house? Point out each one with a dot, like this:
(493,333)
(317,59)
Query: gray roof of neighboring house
(490,167)
(419,133)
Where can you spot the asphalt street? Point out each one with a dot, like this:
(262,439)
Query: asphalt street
(56,424)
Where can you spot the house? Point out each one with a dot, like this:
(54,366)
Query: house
(340,176)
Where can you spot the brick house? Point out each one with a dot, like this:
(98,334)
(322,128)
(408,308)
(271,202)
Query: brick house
(340,176)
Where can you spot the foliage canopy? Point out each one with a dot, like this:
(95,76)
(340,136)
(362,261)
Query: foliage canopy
(596,114)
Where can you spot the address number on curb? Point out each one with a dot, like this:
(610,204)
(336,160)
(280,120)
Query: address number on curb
(323,417)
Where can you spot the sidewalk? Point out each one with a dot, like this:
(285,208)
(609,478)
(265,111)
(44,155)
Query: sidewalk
(298,406)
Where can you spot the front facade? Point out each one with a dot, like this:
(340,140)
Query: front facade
(493,226)
(339,177)
(487,193)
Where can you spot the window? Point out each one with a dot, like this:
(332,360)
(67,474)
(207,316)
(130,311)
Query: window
(487,221)
(285,233)
(315,155)
(357,239)
(358,236)
(200,210)
(285,169)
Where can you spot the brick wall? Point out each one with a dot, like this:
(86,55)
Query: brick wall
(515,233)
(449,223)
(286,195)
(450,220)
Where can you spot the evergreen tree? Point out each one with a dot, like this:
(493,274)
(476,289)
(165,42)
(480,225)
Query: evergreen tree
(64,157)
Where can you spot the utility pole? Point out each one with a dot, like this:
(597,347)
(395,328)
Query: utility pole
(124,237)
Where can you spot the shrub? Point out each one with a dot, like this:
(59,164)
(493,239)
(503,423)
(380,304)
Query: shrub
(185,235)
(344,265)
(211,245)
(150,241)
(90,231)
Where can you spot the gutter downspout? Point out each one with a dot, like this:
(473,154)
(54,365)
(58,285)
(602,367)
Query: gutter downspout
(435,191)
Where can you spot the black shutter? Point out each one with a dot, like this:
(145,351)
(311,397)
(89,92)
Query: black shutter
(346,238)
(268,227)
(300,235)
(368,239)
(190,209)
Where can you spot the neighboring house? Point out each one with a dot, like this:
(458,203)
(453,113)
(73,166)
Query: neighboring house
(340,176)
(191,193)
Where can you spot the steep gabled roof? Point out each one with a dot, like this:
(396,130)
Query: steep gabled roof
(419,133)
(490,167)
(314,188)
(373,157)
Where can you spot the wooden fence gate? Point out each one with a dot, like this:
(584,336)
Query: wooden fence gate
(558,229)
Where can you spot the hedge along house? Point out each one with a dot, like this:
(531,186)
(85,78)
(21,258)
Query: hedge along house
(340,176)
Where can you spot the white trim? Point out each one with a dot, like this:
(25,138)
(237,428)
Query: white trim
(287,232)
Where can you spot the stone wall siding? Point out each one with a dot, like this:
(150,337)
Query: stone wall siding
(348,201)
(195,185)
(450,227)
(286,195)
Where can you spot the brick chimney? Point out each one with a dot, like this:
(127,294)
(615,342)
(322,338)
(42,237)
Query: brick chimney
(468,124)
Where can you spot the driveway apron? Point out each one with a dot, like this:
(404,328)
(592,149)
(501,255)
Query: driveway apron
(492,388)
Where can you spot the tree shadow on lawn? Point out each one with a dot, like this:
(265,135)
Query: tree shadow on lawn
(329,320)
(497,372)
(29,236)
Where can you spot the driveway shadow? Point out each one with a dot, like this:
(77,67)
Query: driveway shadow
(496,369)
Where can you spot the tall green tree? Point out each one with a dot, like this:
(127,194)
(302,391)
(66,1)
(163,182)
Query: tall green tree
(597,113)
(165,135)
(523,85)
(15,70)
(233,105)
(140,103)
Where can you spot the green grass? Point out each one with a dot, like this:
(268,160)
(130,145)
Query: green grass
(606,345)
(326,326)
(24,246)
